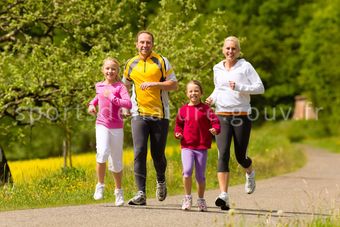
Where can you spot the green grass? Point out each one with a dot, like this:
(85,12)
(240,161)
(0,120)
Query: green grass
(271,148)
(315,133)
(329,143)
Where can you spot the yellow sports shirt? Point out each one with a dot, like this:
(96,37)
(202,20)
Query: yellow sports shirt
(152,102)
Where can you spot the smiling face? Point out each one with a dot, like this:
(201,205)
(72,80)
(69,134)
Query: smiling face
(144,44)
(110,71)
(231,50)
(194,93)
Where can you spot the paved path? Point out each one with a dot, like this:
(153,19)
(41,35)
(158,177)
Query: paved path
(312,191)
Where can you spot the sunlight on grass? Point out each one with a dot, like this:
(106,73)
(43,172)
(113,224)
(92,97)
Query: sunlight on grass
(44,183)
(28,170)
(25,171)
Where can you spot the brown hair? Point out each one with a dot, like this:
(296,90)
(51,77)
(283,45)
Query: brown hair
(145,32)
(196,82)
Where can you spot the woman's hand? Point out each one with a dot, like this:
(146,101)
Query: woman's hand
(209,101)
(232,85)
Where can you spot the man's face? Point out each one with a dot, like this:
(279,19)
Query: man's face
(144,44)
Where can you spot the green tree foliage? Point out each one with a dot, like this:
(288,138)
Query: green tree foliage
(320,72)
(269,32)
(191,41)
(51,54)
(52,50)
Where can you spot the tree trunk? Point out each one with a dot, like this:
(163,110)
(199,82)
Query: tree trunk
(69,147)
(67,154)
(5,172)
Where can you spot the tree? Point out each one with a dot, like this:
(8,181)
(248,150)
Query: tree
(191,41)
(51,53)
(320,72)
(270,39)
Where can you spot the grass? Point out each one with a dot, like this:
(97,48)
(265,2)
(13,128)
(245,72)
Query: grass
(43,183)
(315,133)
(329,143)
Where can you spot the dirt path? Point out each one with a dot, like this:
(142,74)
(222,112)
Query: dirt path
(312,191)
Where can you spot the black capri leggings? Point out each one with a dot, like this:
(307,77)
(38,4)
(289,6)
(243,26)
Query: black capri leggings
(238,128)
(157,130)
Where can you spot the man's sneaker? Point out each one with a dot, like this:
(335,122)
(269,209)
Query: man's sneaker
(138,199)
(202,205)
(187,203)
(161,191)
(222,201)
(99,193)
(119,197)
(250,182)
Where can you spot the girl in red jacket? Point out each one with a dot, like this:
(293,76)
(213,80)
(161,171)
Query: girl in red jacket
(196,123)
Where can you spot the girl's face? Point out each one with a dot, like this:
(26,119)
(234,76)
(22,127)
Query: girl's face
(110,71)
(230,50)
(194,94)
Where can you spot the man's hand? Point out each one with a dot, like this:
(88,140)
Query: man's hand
(146,85)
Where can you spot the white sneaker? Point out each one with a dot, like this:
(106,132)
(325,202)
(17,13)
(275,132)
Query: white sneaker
(250,182)
(222,201)
(99,193)
(202,205)
(119,197)
(187,203)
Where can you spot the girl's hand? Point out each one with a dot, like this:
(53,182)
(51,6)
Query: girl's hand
(213,131)
(178,135)
(126,112)
(92,110)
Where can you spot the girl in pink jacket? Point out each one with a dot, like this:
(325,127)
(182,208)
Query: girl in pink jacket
(111,97)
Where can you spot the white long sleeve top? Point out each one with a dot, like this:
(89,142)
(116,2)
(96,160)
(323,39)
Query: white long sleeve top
(247,82)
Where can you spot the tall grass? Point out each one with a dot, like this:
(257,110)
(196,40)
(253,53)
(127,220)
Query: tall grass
(43,183)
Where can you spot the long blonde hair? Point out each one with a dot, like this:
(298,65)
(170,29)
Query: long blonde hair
(116,62)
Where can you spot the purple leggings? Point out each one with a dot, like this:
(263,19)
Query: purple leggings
(199,157)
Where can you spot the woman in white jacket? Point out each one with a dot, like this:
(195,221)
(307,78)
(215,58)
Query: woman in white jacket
(235,80)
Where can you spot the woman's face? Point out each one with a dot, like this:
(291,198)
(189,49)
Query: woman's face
(230,50)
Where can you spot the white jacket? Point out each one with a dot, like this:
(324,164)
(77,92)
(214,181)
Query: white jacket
(247,82)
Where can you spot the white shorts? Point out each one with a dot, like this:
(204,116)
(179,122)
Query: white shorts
(109,143)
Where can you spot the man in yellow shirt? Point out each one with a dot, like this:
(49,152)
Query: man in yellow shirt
(151,77)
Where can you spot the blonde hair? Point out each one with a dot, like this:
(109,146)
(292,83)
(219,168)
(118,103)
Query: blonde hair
(236,41)
(116,62)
